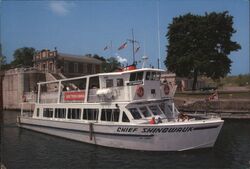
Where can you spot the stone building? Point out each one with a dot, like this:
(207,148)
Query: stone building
(67,64)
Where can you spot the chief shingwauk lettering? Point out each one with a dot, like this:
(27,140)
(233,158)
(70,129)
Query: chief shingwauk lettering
(154,130)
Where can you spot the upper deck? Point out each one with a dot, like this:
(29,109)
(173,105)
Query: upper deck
(125,86)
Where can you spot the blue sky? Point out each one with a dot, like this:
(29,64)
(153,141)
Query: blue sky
(81,27)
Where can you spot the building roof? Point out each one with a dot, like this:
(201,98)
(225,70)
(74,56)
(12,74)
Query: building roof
(78,58)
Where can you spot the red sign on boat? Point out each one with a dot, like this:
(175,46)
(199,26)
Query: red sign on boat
(79,95)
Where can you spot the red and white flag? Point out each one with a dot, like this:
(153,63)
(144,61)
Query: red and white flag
(123,46)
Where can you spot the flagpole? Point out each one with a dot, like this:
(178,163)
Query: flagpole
(133,42)
(159,44)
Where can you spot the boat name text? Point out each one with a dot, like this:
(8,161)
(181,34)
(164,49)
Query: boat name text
(154,130)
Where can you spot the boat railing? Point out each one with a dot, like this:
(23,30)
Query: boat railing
(27,109)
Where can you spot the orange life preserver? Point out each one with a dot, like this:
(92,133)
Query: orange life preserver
(140,91)
(166,89)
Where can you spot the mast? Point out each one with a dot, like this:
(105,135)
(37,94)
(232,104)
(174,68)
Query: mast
(133,41)
(159,45)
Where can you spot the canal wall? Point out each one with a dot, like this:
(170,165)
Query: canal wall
(1,90)
(17,82)
(227,108)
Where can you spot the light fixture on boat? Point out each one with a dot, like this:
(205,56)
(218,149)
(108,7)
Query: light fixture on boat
(144,61)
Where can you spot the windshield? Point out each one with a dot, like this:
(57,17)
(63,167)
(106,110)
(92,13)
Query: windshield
(145,111)
(135,113)
(155,110)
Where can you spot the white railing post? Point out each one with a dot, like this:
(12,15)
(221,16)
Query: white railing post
(38,94)
(59,92)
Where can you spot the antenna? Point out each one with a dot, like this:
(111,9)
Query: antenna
(133,41)
(159,44)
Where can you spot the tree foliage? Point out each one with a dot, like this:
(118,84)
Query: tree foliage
(23,57)
(200,45)
(110,64)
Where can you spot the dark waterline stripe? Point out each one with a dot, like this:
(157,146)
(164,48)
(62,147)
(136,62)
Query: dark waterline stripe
(82,131)
(206,127)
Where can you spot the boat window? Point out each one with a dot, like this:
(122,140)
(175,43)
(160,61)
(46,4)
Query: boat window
(60,113)
(155,110)
(47,112)
(37,112)
(155,76)
(109,83)
(135,113)
(110,115)
(148,76)
(119,82)
(74,113)
(90,114)
(165,108)
(94,82)
(136,76)
(124,117)
(145,111)
(78,84)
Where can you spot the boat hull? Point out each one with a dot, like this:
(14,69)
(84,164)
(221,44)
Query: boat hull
(160,137)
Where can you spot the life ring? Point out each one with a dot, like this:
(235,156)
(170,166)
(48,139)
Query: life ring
(166,89)
(140,91)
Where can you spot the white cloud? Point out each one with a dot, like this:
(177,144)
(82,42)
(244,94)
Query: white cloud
(61,7)
(121,59)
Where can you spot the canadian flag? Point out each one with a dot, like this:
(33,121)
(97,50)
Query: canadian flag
(123,46)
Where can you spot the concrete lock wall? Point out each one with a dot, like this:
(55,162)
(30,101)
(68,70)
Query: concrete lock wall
(16,83)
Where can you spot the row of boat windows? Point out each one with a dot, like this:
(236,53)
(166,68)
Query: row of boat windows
(138,76)
(87,114)
(148,111)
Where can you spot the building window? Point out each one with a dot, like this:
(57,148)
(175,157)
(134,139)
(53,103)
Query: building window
(90,114)
(48,112)
(74,113)
(89,68)
(75,67)
(97,68)
(60,113)
(84,68)
(66,67)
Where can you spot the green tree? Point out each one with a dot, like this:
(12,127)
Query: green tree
(23,57)
(111,65)
(200,45)
(2,62)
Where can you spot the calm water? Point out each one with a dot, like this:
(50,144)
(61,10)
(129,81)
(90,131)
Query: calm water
(24,149)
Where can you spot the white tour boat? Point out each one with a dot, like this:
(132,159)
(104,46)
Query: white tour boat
(130,109)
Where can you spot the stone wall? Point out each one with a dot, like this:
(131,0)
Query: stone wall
(1,90)
(16,83)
